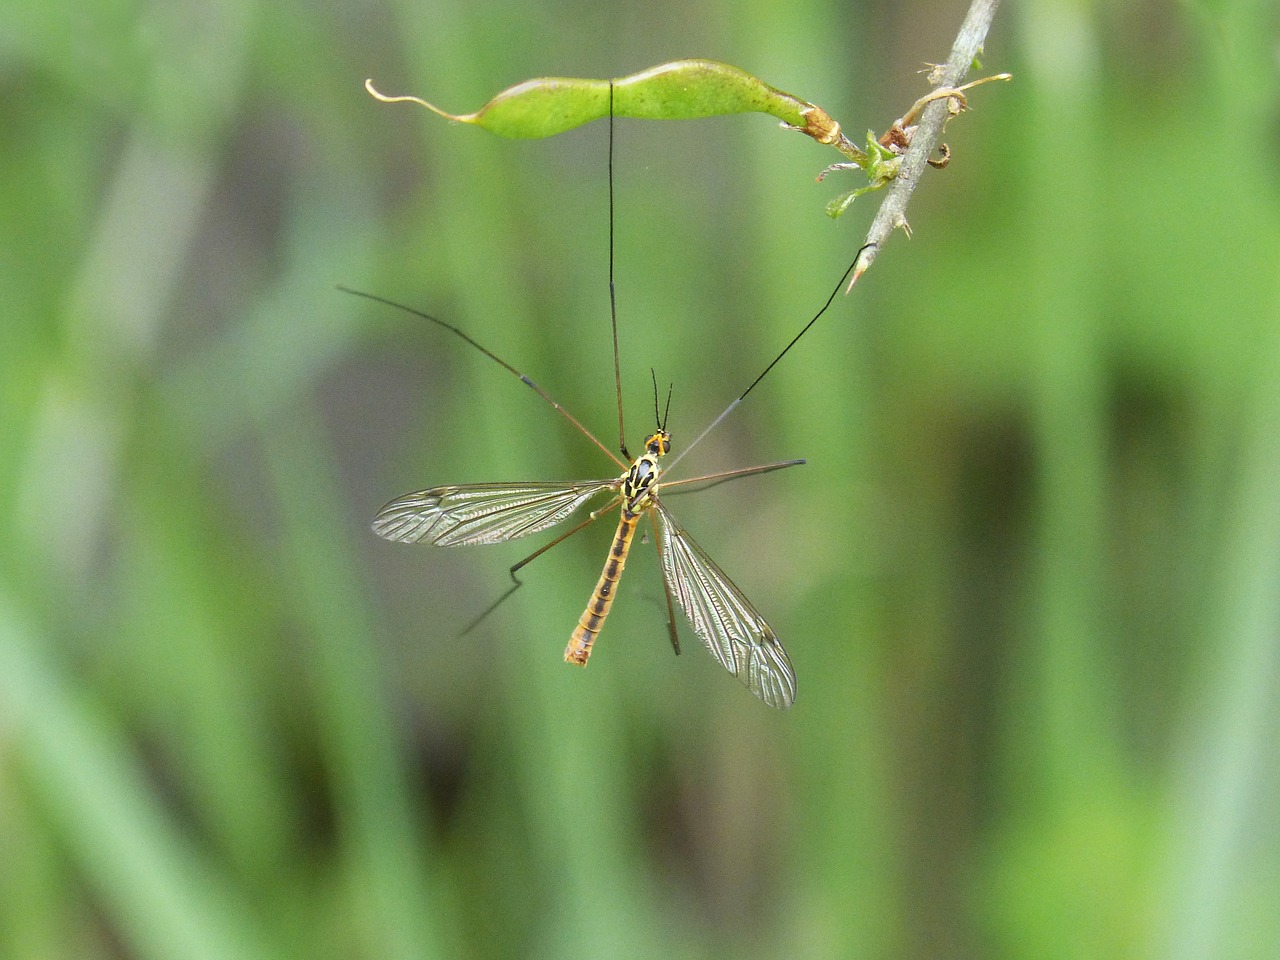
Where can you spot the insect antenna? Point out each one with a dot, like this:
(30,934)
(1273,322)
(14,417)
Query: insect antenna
(660,418)
(794,340)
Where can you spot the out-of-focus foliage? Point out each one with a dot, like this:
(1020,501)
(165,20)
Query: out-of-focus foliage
(1029,578)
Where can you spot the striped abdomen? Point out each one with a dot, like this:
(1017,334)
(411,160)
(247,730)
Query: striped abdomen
(592,619)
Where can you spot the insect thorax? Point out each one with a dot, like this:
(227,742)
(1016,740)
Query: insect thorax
(644,472)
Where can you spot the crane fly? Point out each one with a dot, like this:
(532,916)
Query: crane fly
(737,635)
(739,638)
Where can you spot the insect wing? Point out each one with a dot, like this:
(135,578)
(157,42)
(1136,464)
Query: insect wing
(481,512)
(726,621)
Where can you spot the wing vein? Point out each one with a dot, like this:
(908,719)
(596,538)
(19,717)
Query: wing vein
(482,512)
(735,633)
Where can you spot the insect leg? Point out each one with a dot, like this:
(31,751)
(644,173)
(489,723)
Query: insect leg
(712,479)
(517,583)
(666,588)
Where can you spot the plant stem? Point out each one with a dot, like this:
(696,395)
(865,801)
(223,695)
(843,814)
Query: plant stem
(893,211)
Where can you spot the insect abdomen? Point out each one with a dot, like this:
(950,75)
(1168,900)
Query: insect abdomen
(592,619)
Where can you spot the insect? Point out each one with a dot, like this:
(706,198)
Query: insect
(739,638)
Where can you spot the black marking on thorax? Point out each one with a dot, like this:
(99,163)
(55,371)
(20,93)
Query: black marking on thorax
(640,478)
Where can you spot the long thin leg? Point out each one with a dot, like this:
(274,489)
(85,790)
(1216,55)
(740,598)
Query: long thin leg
(613,296)
(711,479)
(666,588)
(517,583)
(794,340)
(496,359)
(592,517)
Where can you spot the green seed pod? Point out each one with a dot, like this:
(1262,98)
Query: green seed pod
(680,90)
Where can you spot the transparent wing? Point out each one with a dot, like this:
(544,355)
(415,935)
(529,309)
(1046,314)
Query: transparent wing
(726,621)
(482,512)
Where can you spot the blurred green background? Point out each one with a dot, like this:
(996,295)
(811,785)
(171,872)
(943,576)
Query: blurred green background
(1029,578)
